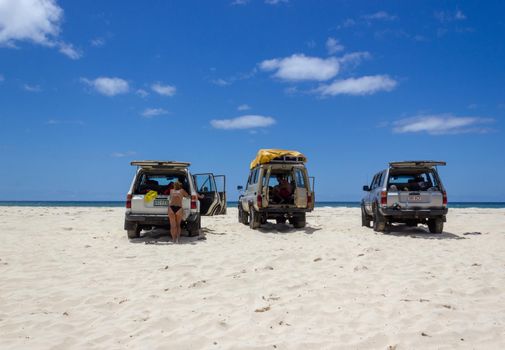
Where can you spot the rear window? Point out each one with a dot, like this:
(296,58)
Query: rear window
(415,181)
(161,183)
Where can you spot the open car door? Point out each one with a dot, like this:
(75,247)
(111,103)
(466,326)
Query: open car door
(221,190)
(212,202)
(312,181)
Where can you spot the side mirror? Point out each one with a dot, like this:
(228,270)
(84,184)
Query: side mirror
(366,188)
(240,188)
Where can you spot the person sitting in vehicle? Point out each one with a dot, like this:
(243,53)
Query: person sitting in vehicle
(283,191)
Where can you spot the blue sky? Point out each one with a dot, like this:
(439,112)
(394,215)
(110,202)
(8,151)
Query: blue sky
(88,86)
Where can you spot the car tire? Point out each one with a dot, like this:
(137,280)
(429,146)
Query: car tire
(298,221)
(243,217)
(436,225)
(365,218)
(134,233)
(254,219)
(379,222)
(194,227)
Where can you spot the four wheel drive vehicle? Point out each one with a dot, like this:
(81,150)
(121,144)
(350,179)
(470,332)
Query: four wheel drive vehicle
(408,192)
(149,194)
(278,188)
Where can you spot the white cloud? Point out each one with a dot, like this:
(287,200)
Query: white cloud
(243,122)
(239,2)
(37,21)
(449,16)
(275,2)
(165,90)
(441,124)
(32,88)
(97,42)
(299,67)
(108,86)
(244,107)
(459,15)
(220,82)
(153,112)
(333,46)
(366,85)
(142,93)
(354,58)
(31,20)
(123,154)
(380,15)
(69,51)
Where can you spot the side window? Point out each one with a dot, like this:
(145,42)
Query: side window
(379,179)
(300,178)
(256,171)
(205,183)
(372,185)
(251,177)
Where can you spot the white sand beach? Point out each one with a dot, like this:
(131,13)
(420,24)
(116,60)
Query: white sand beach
(70,279)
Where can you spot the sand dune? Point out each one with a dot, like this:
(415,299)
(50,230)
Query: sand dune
(70,279)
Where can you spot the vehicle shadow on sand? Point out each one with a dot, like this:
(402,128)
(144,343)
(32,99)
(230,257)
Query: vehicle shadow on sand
(162,237)
(270,227)
(418,232)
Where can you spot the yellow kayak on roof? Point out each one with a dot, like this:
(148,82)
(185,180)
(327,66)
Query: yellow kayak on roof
(268,155)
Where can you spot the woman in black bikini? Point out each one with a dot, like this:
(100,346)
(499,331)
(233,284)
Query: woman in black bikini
(175,211)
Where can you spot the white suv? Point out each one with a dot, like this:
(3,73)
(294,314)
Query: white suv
(148,197)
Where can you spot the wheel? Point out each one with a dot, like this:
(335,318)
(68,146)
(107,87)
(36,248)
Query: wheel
(280,220)
(243,217)
(298,221)
(365,218)
(254,219)
(194,227)
(436,225)
(379,222)
(134,233)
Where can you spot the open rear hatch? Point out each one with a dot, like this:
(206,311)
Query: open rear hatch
(153,184)
(415,184)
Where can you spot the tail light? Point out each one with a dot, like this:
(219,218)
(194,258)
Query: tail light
(259,200)
(193,202)
(309,199)
(444,198)
(128,201)
(384,198)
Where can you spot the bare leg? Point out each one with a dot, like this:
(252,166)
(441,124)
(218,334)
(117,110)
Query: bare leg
(178,218)
(173,224)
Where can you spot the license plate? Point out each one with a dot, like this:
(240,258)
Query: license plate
(415,198)
(161,203)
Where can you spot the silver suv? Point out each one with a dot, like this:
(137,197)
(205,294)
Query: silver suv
(279,189)
(149,194)
(409,192)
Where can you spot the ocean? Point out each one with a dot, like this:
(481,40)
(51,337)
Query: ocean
(97,204)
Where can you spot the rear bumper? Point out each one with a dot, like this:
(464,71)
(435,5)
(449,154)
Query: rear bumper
(288,211)
(132,220)
(413,213)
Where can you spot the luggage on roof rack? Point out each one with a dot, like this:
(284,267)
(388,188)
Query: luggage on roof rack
(265,156)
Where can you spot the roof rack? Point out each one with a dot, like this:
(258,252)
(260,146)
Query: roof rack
(416,163)
(160,164)
(288,159)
